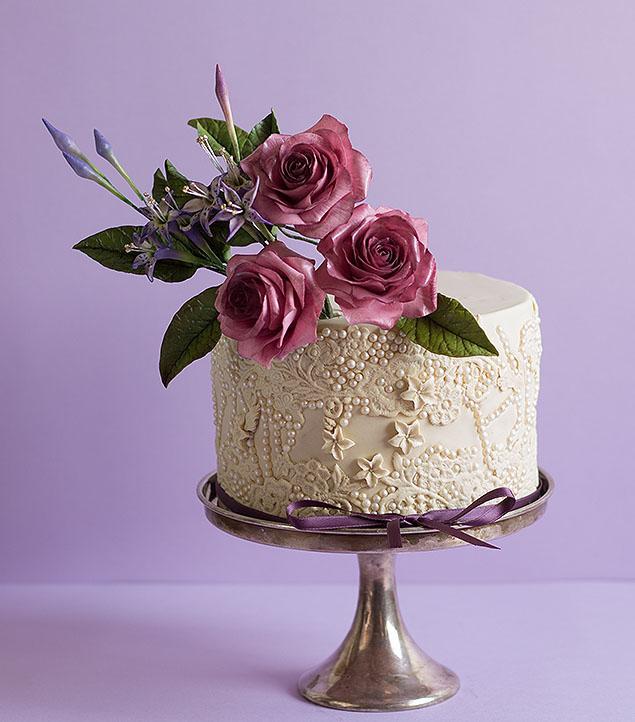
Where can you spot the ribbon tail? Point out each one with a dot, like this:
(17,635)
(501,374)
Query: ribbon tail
(456,533)
(393,531)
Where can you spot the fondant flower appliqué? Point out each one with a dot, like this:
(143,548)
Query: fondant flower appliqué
(333,407)
(408,436)
(337,478)
(336,443)
(371,470)
(248,422)
(419,393)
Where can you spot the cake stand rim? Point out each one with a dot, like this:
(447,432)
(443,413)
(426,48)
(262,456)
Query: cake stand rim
(281,534)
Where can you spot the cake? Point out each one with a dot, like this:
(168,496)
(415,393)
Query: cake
(357,375)
(370,421)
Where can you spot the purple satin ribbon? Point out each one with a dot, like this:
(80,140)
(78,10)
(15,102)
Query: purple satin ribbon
(448,521)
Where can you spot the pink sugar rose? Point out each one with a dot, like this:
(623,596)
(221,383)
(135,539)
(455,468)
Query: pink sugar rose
(310,180)
(378,267)
(269,303)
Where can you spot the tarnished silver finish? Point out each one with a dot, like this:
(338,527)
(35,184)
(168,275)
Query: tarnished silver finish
(378,666)
(358,541)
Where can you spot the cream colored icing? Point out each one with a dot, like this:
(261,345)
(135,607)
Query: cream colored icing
(367,420)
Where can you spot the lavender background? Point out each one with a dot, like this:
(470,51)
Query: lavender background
(509,125)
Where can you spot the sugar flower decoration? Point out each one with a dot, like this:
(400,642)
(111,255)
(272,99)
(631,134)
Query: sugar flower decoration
(371,470)
(408,436)
(309,180)
(336,443)
(308,186)
(419,393)
(248,423)
(269,303)
(378,267)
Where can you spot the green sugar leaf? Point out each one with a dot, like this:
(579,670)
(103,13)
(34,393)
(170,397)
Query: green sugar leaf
(450,331)
(109,249)
(192,334)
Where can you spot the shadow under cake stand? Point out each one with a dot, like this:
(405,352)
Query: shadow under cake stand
(378,667)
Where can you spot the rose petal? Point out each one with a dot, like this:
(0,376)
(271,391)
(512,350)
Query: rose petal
(384,315)
(336,216)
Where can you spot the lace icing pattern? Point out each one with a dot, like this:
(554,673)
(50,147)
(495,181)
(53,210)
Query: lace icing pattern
(263,417)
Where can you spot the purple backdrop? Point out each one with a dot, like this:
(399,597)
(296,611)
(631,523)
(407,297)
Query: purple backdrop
(509,125)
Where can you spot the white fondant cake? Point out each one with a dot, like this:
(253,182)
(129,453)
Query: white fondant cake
(367,420)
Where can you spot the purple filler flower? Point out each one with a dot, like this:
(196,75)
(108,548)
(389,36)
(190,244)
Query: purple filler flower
(84,168)
(103,146)
(237,209)
(220,202)
(148,259)
(81,167)
(222,94)
(63,141)
(152,244)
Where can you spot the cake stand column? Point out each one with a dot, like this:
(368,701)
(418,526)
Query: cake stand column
(378,666)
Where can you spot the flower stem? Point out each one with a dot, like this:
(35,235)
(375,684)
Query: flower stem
(217,269)
(266,232)
(255,234)
(297,236)
(122,172)
(192,260)
(111,189)
(234,139)
(96,169)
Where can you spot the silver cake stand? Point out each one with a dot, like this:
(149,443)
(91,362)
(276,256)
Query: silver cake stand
(378,667)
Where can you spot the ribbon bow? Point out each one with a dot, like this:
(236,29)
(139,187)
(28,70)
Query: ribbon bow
(446,521)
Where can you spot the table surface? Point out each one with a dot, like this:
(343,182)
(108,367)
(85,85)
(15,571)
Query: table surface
(155,652)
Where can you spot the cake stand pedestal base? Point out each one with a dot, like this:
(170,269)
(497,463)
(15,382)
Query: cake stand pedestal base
(378,666)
